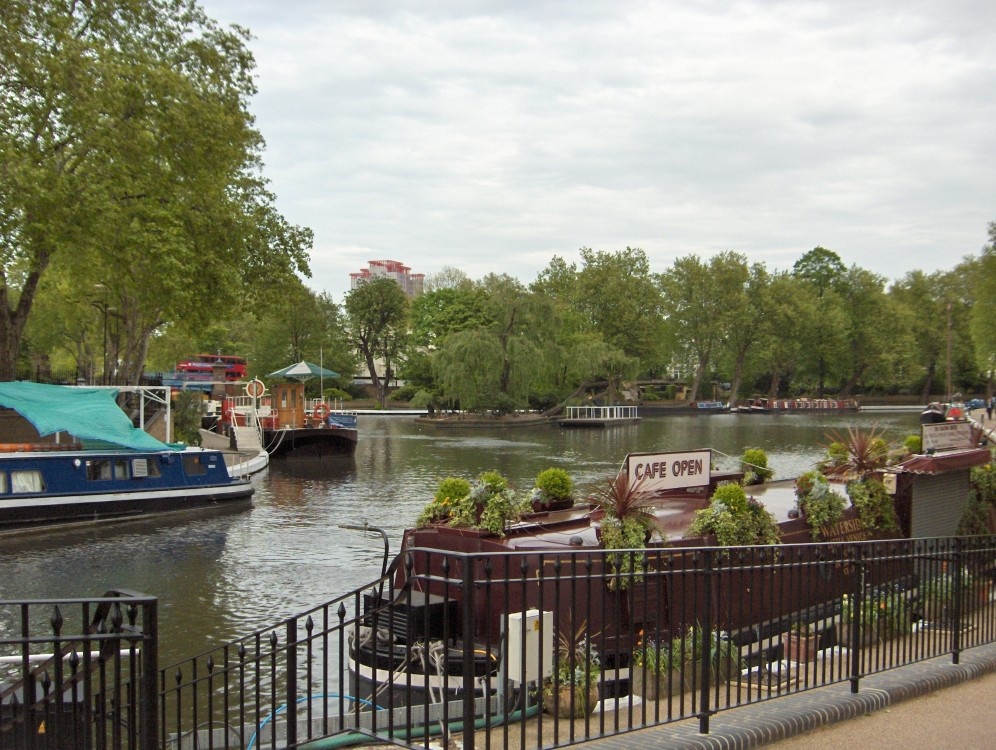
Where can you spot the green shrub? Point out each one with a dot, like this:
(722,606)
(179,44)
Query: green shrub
(755,465)
(555,484)
(735,519)
(874,505)
(404,393)
(820,505)
(913,444)
(335,394)
(983,479)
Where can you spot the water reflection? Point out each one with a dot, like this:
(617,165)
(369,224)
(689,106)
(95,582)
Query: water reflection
(220,577)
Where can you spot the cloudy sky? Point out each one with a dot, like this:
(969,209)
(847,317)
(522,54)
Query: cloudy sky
(491,136)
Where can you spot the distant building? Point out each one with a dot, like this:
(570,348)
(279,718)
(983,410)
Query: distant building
(411,283)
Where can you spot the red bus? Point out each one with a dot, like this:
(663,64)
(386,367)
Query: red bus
(203,364)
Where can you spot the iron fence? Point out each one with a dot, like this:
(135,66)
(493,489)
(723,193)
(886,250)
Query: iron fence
(528,649)
(79,673)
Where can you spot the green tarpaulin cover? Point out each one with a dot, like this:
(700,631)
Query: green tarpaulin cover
(85,413)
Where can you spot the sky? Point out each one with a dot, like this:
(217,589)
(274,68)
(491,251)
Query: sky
(492,136)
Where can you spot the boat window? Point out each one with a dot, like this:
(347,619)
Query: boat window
(120,468)
(3,483)
(98,469)
(193,466)
(145,467)
(26,480)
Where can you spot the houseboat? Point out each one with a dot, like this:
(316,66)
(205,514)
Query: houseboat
(71,455)
(547,562)
(763,405)
(288,424)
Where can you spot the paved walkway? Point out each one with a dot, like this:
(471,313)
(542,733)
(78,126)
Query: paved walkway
(933,704)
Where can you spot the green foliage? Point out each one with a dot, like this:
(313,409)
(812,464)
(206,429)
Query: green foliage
(755,464)
(888,611)
(187,410)
(983,480)
(331,395)
(874,505)
(735,519)
(404,393)
(377,325)
(451,503)
(626,534)
(974,518)
(820,505)
(856,454)
(554,484)
(499,506)
(913,444)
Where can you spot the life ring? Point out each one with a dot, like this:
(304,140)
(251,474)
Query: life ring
(320,412)
(255,388)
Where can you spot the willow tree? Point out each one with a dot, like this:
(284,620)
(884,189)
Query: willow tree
(492,367)
(131,161)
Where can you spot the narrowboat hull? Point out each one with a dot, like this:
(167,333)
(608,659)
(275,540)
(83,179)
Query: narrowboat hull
(40,489)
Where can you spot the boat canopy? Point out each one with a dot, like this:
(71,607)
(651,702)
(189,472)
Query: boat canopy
(84,413)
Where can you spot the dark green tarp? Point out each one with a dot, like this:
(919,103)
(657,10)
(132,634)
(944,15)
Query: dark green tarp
(84,413)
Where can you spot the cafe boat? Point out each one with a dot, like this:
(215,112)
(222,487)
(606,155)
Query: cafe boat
(418,622)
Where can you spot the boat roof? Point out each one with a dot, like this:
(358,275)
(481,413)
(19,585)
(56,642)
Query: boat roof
(84,413)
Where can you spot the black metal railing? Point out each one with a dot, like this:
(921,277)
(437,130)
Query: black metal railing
(732,626)
(79,673)
(538,649)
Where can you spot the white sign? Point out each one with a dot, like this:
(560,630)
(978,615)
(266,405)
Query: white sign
(946,436)
(653,472)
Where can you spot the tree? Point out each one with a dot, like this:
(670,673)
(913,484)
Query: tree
(983,323)
(377,325)
(745,293)
(822,270)
(493,367)
(131,162)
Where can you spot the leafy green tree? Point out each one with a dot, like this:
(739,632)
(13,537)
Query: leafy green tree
(437,314)
(617,296)
(823,270)
(694,306)
(870,330)
(131,162)
(744,291)
(377,325)
(494,367)
(982,322)
(790,314)
(920,300)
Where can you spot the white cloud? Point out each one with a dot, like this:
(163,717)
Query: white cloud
(492,136)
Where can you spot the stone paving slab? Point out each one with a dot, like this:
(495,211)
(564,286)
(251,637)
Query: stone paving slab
(770,721)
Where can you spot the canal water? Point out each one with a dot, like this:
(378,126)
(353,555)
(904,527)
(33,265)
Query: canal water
(219,577)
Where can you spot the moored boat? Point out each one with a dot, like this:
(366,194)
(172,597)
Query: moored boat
(763,405)
(555,551)
(79,459)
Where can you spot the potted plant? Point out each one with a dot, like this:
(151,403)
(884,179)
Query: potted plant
(802,643)
(660,668)
(867,622)
(734,519)
(818,504)
(495,501)
(554,490)
(874,505)
(627,521)
(450,505)
(754,462)
(573,690)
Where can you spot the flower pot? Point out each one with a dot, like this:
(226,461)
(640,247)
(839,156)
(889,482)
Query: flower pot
(541,507)
(652,686)
(572,702)
(869,634)
(801,648)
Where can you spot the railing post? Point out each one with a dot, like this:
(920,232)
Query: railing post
(149,698)
(468,652)
(706,642)
(291,688)
(958,589)
(857,635)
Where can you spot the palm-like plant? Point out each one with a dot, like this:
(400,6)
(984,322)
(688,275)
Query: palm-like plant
(857,454)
